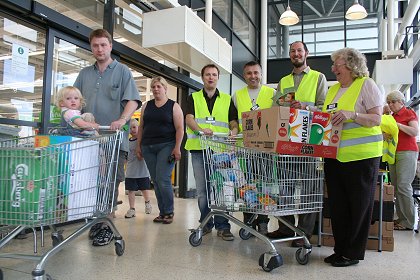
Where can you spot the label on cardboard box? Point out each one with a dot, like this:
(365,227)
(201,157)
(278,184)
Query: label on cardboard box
(299,125)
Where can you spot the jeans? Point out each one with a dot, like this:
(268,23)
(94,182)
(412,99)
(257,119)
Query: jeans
(220,223)
(156,157)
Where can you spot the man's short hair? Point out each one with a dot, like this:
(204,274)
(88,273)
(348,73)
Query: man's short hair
(251,63)
(304,45)
(100,33)
(210,66)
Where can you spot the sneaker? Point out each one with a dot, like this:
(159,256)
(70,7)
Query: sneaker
(225,234)
(263,228)
(130,213)
(94,230)
(104,237)
(147,207)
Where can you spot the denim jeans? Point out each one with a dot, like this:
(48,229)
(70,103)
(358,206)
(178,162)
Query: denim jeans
(156,157)
(198,165)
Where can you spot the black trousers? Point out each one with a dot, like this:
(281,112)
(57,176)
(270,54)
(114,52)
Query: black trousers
(351,189)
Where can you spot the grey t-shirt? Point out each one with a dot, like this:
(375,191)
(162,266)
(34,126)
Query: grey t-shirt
(135,168)
(107,93)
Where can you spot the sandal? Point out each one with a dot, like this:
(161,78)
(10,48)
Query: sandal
(168,219)
(400,227)
(159,219)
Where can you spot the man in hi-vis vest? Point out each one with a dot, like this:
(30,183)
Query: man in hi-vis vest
(310,88)
(208,111)
(253,97)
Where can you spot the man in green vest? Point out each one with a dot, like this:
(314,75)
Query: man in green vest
(253,97)
(310,88)
(208,110)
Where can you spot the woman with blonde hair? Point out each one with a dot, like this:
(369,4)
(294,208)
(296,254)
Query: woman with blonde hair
(351,178)
(403,171)
(159,141)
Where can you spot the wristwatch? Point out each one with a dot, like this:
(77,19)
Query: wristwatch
(355,116)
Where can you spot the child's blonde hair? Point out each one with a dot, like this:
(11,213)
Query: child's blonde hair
(134,121)
(59,96)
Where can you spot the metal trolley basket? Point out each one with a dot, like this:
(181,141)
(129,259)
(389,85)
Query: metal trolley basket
(49,180)
(241,179)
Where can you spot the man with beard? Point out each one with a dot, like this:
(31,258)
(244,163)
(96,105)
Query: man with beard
(310,88)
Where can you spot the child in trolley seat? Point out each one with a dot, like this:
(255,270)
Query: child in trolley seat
(136,174)
(70,100)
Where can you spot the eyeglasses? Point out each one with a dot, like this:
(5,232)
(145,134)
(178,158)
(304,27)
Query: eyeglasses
(392,101)
(337,65)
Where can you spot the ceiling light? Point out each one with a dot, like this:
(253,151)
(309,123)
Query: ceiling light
(288,17)
(356,11)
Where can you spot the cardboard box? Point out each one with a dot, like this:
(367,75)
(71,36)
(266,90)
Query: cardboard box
(288,131)
(372,244)
(78,169)
(387,228)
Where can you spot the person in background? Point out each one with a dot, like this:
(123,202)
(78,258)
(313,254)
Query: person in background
(136,174)
(309,87)
(403,171)
(70,101)
(253,97)
(351,178)
(112,97)
(208,111)
(159,142)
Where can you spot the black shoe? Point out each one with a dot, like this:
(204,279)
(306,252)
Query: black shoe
(277,234)
(298,243)
(342,262)
(94,230)
(332,258)
(104,237)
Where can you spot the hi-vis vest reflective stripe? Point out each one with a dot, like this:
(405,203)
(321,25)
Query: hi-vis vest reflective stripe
(357,142)
(389,126)
(306,92)
(220,114)
(244,103)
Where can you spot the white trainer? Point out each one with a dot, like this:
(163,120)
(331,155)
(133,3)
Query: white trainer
(147,207)
(130,213)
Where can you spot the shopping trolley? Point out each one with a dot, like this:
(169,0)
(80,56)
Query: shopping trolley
(416,196)
(241,179)
(49,180)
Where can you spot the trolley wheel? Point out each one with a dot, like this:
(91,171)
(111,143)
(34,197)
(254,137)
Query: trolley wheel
(274,262)
(48,277)
(194,241)
(120,247)
(57,239)
(244,234)
(301,260)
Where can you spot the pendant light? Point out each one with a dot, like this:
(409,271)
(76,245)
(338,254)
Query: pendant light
(288,17)
(356,11)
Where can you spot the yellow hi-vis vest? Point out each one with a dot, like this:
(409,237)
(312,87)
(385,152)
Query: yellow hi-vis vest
(244,103)
(357,142)
(220,115)
(389,126)
(306,92)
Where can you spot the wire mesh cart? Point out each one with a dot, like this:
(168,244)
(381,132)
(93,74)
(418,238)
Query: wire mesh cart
(241,179)
(50,180)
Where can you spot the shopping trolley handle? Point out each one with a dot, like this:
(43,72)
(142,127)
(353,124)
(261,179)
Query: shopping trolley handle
(107,127)
(220,134)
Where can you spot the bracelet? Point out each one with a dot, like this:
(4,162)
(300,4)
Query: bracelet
(355,116)
(124,118)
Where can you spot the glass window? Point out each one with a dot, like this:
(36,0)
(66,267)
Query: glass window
(243,27)
(222,8)
(250,7)
(21,72)
(89,13)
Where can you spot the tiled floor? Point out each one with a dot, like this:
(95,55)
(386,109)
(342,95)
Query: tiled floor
(157,251)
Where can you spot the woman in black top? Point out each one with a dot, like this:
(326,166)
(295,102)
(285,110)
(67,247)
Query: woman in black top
(159,142)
